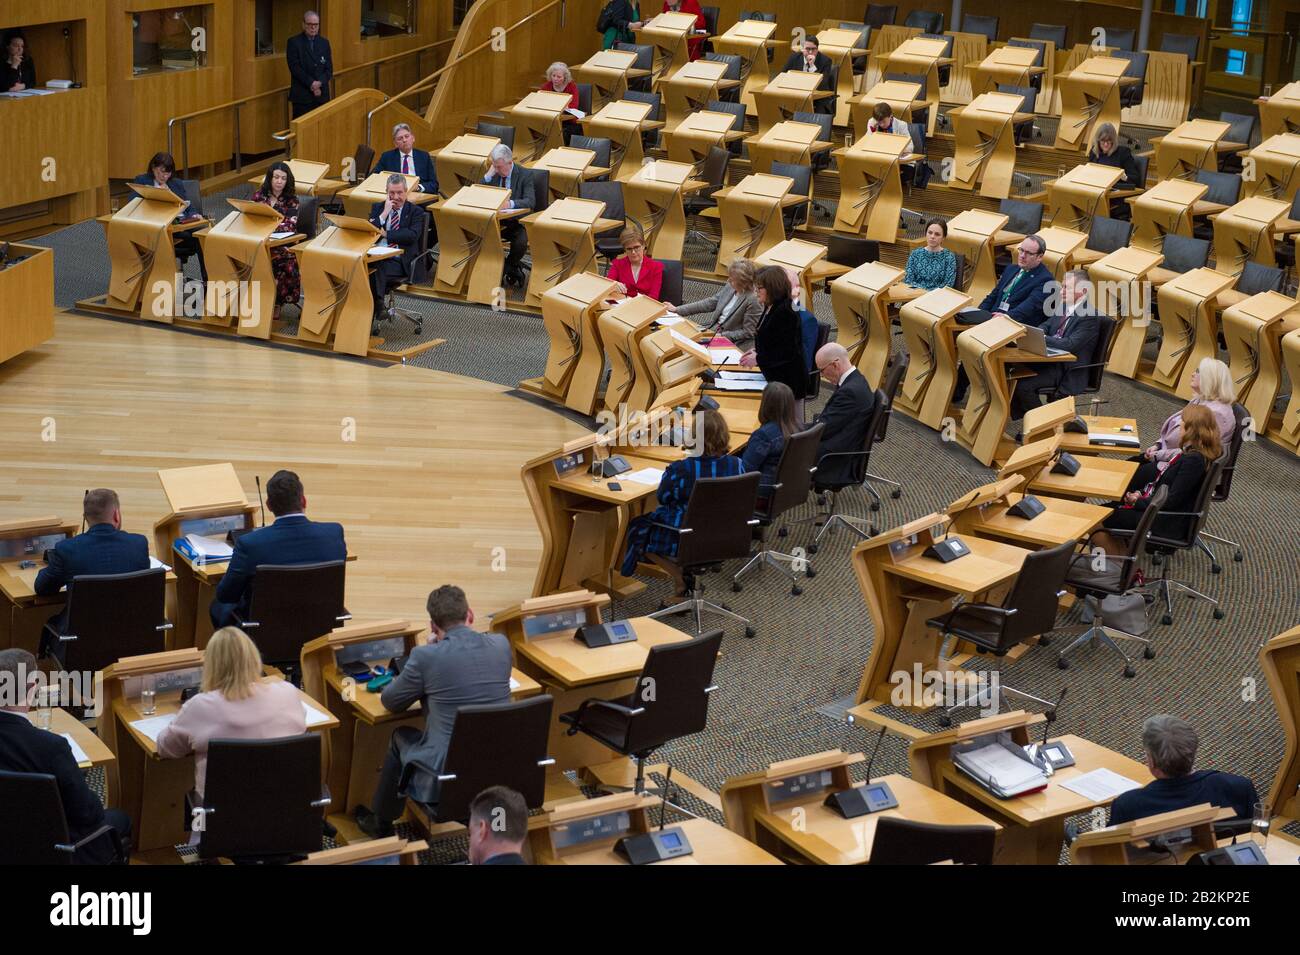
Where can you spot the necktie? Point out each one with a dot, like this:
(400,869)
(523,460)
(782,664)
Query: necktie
(406,164)
(392,220)
(1019,275)
(1060,329)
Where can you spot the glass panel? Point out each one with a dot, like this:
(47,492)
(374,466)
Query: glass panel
(387,17)
(274,22)
(458,10)
(174,38)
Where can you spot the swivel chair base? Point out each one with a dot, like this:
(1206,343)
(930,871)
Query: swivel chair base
(777,559)
(1106,636)
(696,604)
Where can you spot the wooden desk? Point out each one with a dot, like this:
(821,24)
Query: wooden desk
(985,143)
(902,98)
(983,512)
(1187,317)
(1103,478)
(22,613)
(1089,97)
(929,324)
(667,33)
(569,168)
(1253,331)
(1076,443)
(1280,113)
(1008,66)
(622,123)
(786,94)
(972,233)
(562,241)
(1165,208)
(751,215)
(861,303)
(653,199)
(922,56)
(65,724)
(1076,198)
(786,142)
(1280,660)
(536,119)
(27,290)
(749,39)
(1061,246)
(691,87)
(1244,233)
(1189,147)
(463,162)
(361,198)
(608,72)
(840,44)
(871,191)
(1124,294)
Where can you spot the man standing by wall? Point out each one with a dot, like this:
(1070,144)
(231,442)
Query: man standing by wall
(310,66)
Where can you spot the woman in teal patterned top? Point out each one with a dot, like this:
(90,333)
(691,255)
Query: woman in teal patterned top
(932,266)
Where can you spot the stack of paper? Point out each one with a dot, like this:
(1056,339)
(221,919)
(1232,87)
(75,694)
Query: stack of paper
(723,356)
(1000,769)
(198,547)
(152,726)
(651,476)
(1118,440)
(78,753)
(740,381)
(1100,785)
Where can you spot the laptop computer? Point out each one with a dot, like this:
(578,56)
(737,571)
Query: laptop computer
(1034,341)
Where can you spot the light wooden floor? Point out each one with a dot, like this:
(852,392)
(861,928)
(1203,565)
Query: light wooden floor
(426,491)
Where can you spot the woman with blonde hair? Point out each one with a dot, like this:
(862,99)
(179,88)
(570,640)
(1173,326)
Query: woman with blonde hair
(1212,388)
(733,312)
(1107,151)
(560,80)
(233,703)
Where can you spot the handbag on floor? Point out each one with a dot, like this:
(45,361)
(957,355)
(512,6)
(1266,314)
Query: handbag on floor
(1126,612)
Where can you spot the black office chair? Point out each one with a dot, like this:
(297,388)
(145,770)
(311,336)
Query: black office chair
(1024,132)
(1105,575)
(1121,40)
(263,800)
(1284,252)
(34,827)
(984,26)
(671,700)
(711,17)
(823,122)
(608,245)
(584,97)
(1256,277)
(737,111)
(901,841)
(645,60)
(880,15)
(851,251)
(1225,188)
(1095,366)
(1027,611)
(715,528)
(1106,235)
(599,145)
(1183,253)
(504,133)
(1177,531)
(794,474)
(814,388)
(1137,69)
(828,490)
(945,72)
(108,617)
(735,64)
(308,206)
(925,20)
(795,215)
(494,744)
(1241,129)
(670,291)
(419,276)
(651,136)
(1023,217)
(960,279)
(291,605)
(714,172)
(1189,45)
(1224,487)
(863,42)
(757,15)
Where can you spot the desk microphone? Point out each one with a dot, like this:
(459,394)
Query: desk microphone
(257,479)
(1057,756)
(869,797)
(84,494)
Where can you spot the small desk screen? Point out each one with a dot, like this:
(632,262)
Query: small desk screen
(670,840)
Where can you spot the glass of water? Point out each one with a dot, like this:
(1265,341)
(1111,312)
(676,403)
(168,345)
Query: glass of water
(1261,821)
(148,695)
(44,711)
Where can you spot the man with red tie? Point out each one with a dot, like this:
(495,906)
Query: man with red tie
(410,161)
(399,221)
(1070,324)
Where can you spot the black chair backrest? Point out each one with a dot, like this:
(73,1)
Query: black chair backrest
(114,616)
(904,842)
(584,96)
(988,26)
(1225,187)
(307,208)
(364,159)
(1224,487)
(671,289)
(610,193)
(917,132)
(1049,31)
(757,15)
(263,798)
(794,472)
(1039,45)
(194,195)
(821,120)
(597,144)
(1181,532)
(1137,68)
(1122,40)
(34,826)
(504,133)
(889,391)
(1241,126)
(1107,235)
(645,54)
(496,744)
(814,377)
(654,99)
(1029,97)
(718,516)
(1295,208)
(1137,543)
(880,15)
(711,15)
(1143,164)
(1185,43)
(927,21)
(1034,594)
(802,176)
(858,464)
(1256,278)
(293,604)
(1184,253)
(737,111)
(864,33)
(420,264)
(673,690)
(851,250)
(1097,371)
(542,188)
(959,273)
(1022,216)
(714,169)
(733,61)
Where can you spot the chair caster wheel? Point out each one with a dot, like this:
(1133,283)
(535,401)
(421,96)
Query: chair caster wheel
(783,532)
(724,607)
(1044,641)
(736,586)
(896,493)
(1129,673)
(1216,569)
(750,633)
(1063,663)
(1167,619)
(1149,653)
(875,506)
(1218,614)
(812,548)
(796,590)
(810,572)
(1238,557)
(821,500)
(945,720)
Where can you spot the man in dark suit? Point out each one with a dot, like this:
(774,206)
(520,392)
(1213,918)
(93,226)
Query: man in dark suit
(498,827)
(1071,325)
(26,749)
(458,667)
(401,222)
(1020,291)
(310,66)
(813,60)
(104,548)
(291,539)
(846,416)
(409,161)
(505,173)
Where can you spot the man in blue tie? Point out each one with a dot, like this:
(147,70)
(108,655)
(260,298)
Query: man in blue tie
(519,181)
(1070,324)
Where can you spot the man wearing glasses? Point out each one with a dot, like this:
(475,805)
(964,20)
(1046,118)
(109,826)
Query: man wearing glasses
(1020,292)
(310,66)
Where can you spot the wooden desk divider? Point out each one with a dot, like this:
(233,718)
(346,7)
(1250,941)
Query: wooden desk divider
(608,72)
(1244,233)
(1082,193)
(562,239)
(667,33)
(871,190)
(801,256)
(307,173)
(575,360)
(241,285)
(841,45)
(1169,93)
(1089,96)
(1189,148)
(801,781)
(699,132)
(471,259)
(691,87)
(1098,477)
(1280,660)
(1061,246)
(672,359)
(1031,459)
(336,299)
(968,50)
(370,852)
(1049,419)
(1190,330)
(536,119)
(27,289)
(621,123)
(751,217)
(1253,330)
(786,94)
(361,198)
(787,142)
(982,352)
(1277,167)
(1280,113)
(463,162)
(1128,842)
(23,614)
(207,500)
(861,303)
(1008,66)
(748,39)
(144,266)
(621,330)
(984,132)
(971,233)
(922,56)
(1164,209)
(569,168)
(901,96)
(928,326)
(882,42)
(1287,431)
(1048,100)
(653,202)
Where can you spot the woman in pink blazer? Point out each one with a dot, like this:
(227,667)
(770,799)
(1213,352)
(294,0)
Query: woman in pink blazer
(233,703)
(636,273)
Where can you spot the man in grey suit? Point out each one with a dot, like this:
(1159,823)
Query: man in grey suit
(506,174)
(734,311)
(459,667)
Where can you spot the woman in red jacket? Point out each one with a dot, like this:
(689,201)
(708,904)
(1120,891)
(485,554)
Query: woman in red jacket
(636,273)
(560,80)
(694,44)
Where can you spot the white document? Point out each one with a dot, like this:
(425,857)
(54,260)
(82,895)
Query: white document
(731,384)
(155,563)
(683,338)
(721,356)
(651,476)
(209,547)
(1004,767)
(514,684)
(575,113)
(314,716)
(152,726)
(78,753)
(379,250)
(1100,785)
(1109,437)
(281,235)
(669,320)
(742,375)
